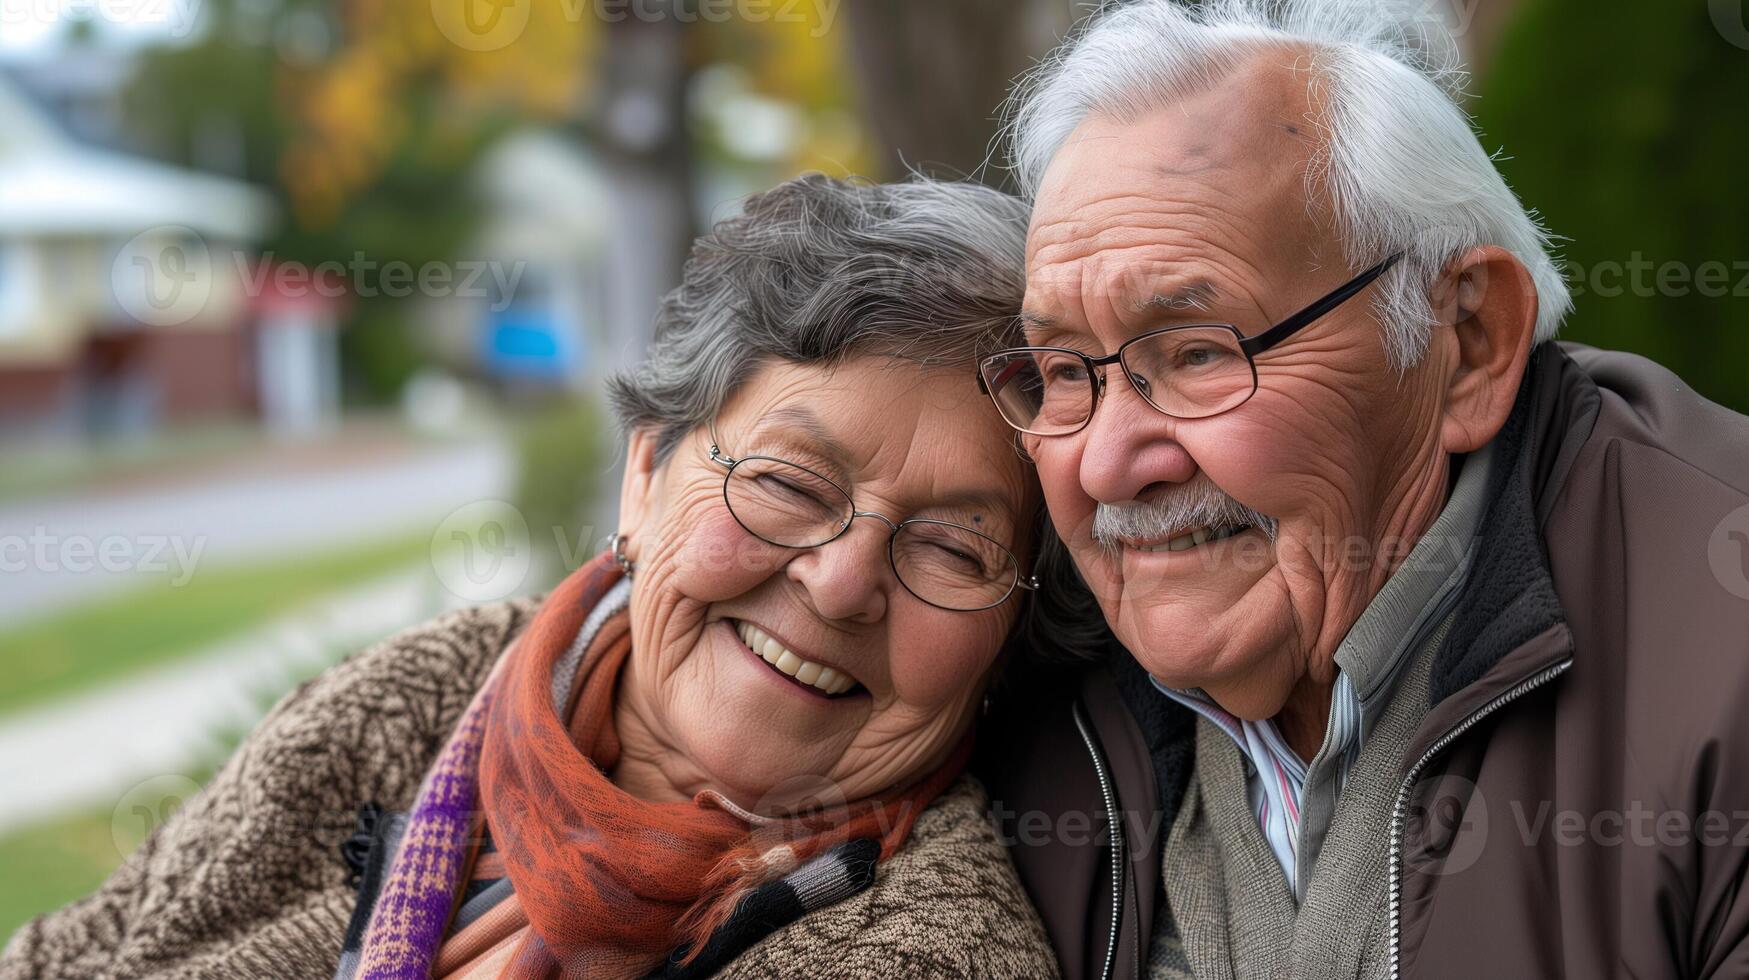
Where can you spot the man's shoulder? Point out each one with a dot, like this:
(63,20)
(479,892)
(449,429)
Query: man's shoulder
(1649,543)
(1646,406)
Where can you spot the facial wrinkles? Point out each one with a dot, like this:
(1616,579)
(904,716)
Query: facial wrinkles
(1101,294)
(905,721)
(1230,228)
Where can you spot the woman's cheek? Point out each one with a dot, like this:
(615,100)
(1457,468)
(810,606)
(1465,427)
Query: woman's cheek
(720,560)
(948,667)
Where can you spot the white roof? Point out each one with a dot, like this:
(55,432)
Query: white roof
(52,185)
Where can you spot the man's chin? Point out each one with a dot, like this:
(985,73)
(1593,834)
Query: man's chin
(1197,640)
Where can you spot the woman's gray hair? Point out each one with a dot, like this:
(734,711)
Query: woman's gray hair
(817,270)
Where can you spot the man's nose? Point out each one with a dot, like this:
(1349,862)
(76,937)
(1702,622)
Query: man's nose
(1130,446)
(848,578)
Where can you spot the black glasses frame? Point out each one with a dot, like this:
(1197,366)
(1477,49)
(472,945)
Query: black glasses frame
(1250,346)
(1028,582)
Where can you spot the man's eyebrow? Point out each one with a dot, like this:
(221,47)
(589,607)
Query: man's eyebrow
(1198,295)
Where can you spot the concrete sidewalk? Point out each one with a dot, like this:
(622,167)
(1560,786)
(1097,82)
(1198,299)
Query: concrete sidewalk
(160,726)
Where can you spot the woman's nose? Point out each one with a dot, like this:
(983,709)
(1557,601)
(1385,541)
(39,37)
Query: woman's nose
(849,578)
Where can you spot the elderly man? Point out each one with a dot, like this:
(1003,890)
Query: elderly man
(1442,628)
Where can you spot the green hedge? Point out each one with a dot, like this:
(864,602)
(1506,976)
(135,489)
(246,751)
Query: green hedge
(1622,122)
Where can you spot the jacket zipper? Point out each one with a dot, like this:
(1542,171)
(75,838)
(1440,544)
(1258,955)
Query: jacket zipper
(1117,838)
(1396,887)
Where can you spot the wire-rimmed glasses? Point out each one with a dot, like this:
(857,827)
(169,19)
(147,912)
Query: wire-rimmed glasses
(947,565)
(1188,372)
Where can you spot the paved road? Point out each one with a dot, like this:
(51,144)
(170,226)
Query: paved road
(56,553)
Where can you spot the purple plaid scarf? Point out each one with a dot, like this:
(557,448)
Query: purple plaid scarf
(407,925)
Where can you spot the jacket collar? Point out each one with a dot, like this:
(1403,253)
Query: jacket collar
(1509,624)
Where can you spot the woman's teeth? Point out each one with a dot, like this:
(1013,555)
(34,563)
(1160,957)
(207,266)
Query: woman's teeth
(826,679)
(1194,537)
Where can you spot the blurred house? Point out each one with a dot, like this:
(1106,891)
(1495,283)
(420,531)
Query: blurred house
(125,284)
(533,313)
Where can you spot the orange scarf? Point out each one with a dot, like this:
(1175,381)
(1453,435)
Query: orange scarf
(607,885)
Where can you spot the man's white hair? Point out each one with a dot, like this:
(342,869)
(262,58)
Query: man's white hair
(1397,160)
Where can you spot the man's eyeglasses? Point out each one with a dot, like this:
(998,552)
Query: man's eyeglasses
(1187,372)
(789,505)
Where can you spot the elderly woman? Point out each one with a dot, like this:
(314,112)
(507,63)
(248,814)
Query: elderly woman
(733,744)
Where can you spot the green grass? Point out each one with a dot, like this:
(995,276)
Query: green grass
(47,865)
(50,863)
(156,623)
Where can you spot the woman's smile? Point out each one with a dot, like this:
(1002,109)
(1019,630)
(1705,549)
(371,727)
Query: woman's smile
(809,675)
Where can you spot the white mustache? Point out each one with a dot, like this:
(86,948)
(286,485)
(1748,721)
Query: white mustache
(1200,504)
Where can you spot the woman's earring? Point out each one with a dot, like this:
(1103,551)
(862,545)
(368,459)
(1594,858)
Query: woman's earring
(618,544)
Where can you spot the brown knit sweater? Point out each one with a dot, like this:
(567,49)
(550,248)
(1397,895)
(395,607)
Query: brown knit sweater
(247,881)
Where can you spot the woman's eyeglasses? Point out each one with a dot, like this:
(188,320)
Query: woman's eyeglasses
(944,564)
(1187,372)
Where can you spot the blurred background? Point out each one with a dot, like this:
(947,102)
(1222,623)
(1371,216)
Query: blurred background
(305,305)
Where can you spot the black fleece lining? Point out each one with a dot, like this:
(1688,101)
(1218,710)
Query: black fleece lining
(1168,728)
(1509,596)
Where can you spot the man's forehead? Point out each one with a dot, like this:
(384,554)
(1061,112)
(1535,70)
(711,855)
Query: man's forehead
(1148,212)
(1257,119)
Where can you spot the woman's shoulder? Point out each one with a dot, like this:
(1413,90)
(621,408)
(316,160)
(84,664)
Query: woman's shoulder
(246,879)
(456,649)
(386,709)
(947,904)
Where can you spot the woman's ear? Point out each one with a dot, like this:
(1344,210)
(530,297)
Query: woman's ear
(1490,301)
(637,489)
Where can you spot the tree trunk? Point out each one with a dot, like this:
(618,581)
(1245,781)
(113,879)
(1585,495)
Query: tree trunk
(640,129)
(933,75)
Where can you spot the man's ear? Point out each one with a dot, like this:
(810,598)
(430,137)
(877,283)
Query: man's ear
(637,489)
(1490,301)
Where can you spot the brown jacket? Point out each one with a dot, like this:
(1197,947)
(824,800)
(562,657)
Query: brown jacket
(247,880)
(1576,801)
